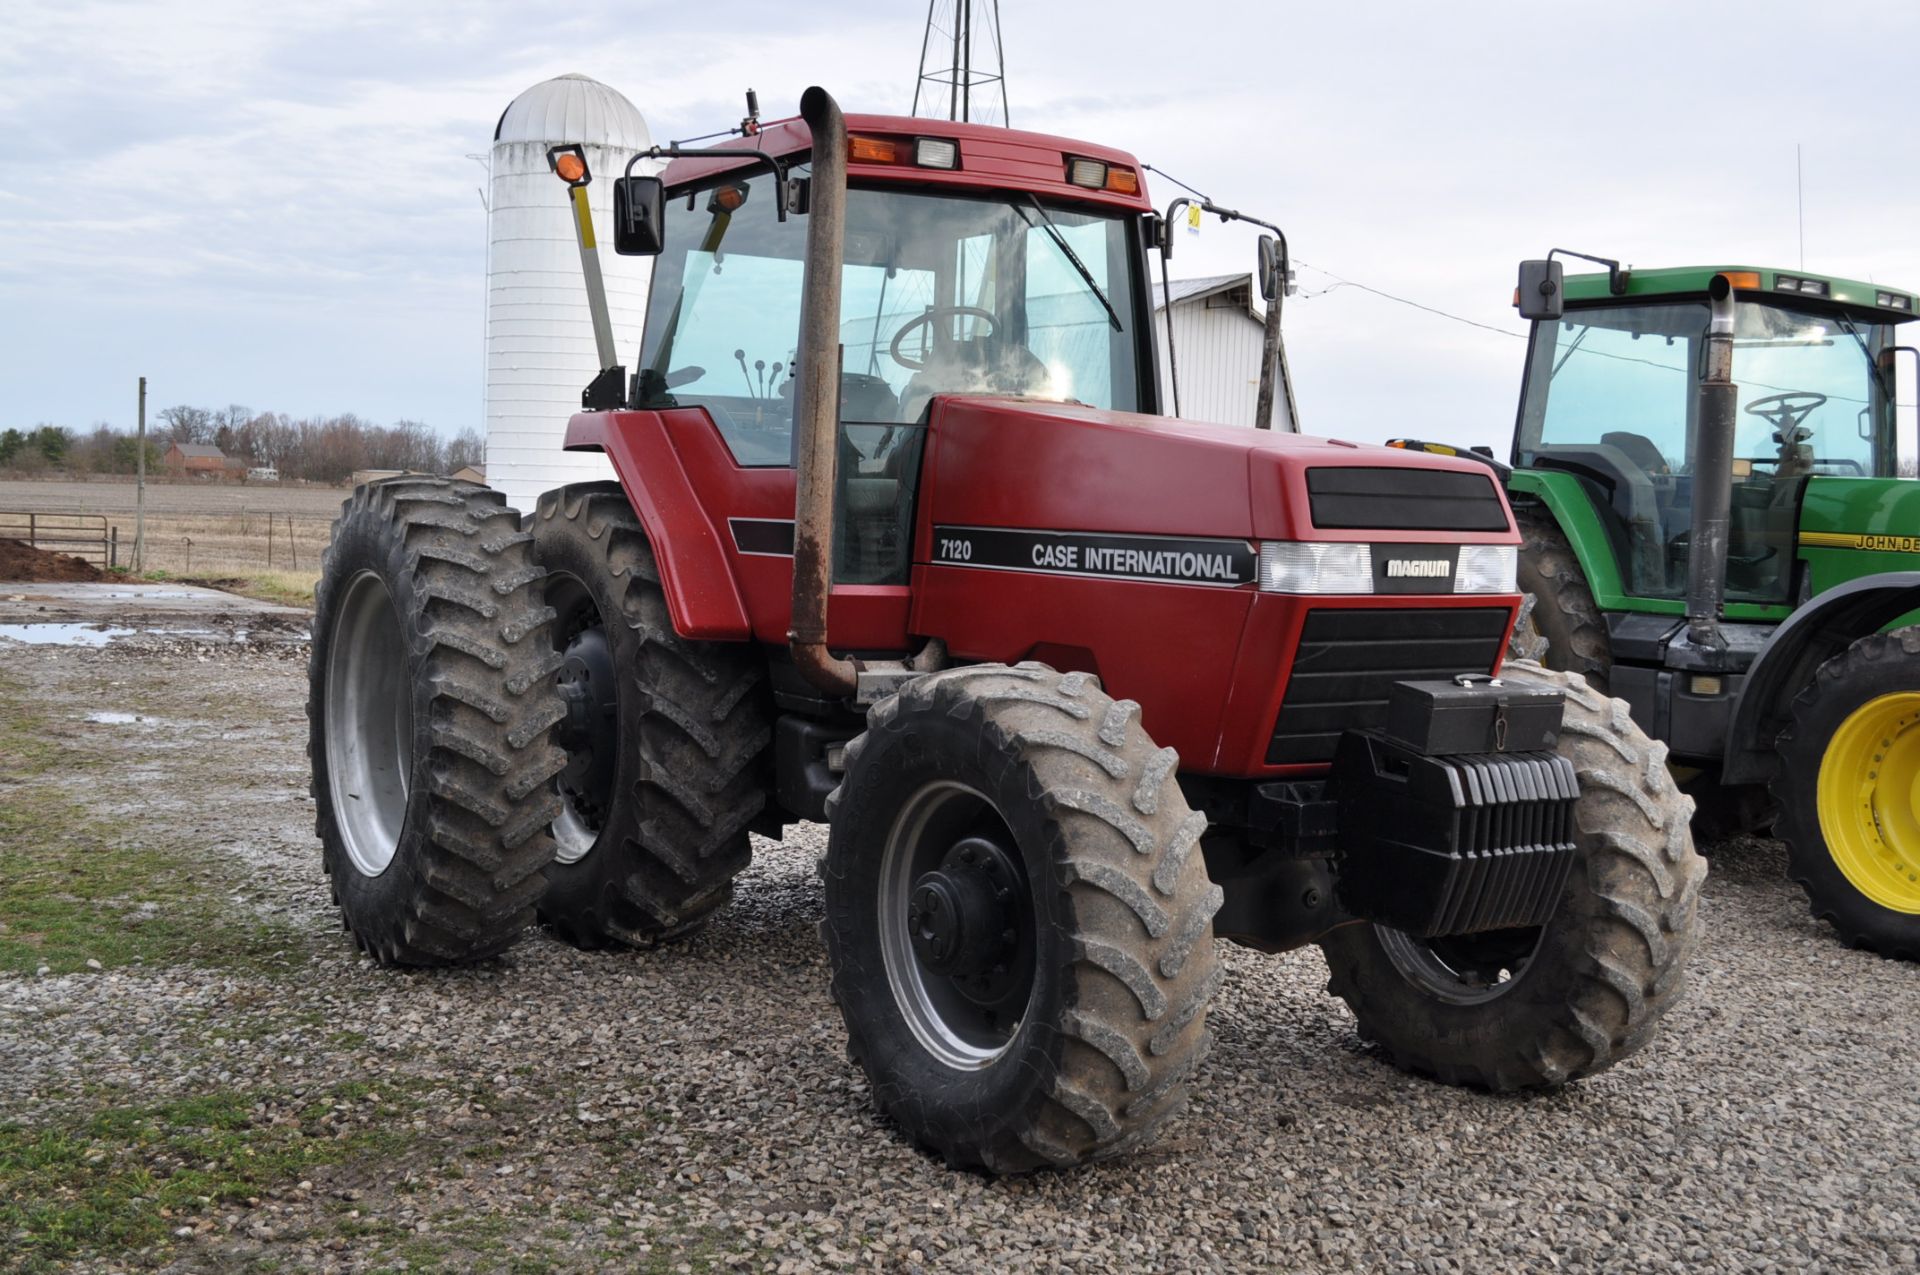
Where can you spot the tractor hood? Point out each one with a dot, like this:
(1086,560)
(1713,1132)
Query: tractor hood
(1850,527)
(1012,462)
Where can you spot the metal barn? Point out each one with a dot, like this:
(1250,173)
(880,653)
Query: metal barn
(1217,334)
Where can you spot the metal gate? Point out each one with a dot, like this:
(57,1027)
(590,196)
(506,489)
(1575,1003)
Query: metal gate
(87,536)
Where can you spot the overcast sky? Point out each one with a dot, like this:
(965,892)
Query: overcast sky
(274,205)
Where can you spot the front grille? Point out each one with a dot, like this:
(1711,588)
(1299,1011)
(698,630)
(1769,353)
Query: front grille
(1349,659)
(1404,500)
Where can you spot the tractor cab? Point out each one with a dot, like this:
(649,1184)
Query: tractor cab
(1719,518)
(1034,289)
(1610,398)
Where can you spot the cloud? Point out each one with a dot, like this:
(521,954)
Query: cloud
(275,203)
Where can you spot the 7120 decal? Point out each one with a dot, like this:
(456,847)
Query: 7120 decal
(1113,556)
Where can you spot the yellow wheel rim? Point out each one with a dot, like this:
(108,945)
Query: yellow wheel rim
(1869,788)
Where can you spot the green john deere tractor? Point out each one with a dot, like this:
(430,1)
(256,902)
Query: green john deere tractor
(1723,529)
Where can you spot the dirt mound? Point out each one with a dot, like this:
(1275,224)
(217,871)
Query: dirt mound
(24,562)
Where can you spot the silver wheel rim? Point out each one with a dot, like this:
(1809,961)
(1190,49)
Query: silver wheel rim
(369,724)
(572,838)
(577,830)
(1448,976)
(929,1006)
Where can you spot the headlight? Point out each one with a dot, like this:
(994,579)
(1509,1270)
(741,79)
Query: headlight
(1300,566)
(1487,569)
(1316,567)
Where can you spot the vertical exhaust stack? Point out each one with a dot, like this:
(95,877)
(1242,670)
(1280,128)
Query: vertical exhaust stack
(1713,476)
(816,399)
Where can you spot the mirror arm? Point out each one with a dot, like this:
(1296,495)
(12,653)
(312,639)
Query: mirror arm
(1616,277)
(754,159)
(1272,360)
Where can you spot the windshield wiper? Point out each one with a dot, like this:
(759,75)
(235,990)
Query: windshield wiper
(1866,352)
(1060,242)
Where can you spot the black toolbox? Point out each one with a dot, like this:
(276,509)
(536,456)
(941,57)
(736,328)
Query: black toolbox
(1474,714)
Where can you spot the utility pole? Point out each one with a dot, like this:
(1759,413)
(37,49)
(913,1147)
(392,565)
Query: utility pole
(140,486)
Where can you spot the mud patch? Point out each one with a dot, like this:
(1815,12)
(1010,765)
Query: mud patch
(23,562)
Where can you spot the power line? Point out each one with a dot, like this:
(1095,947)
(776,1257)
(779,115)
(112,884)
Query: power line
(1340,282)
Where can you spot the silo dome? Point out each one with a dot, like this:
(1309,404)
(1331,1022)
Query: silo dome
(540,351)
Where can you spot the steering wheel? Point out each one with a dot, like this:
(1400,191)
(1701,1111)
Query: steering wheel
(937,312)
(1786,412)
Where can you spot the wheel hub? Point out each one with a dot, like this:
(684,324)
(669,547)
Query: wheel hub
(588,733)
(1868,782)
(961,918)
(957,925)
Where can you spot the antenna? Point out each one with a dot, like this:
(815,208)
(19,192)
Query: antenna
(1800,204)
(948,67)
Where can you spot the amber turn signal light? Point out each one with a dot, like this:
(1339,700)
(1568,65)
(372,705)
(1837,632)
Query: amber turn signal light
(872,150)
(569,164)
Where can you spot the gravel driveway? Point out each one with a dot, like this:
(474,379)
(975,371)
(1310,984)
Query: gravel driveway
(207,1076)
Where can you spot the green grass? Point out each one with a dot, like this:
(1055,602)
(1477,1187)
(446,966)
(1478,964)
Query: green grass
(77,885)
(288,588)
(122,1178)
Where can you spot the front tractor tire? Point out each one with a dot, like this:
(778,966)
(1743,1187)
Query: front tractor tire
(1562,627)
(1538,1007)
(430,710)
(1018,918)
(1848,788)
(666,739)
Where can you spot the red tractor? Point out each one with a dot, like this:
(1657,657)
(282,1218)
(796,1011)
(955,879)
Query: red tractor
(900,542)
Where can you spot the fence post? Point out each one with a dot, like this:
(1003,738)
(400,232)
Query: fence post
(33,530)
(140,485)
(293,545)
(113,547)
(269,542)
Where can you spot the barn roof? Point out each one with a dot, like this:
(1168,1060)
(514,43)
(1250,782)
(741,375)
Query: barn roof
(203,451)
(1189,290)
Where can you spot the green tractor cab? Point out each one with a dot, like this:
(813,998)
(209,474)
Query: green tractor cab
(1722,530)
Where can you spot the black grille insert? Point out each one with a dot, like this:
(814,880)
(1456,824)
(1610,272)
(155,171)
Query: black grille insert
(1404,500)
(1349,659)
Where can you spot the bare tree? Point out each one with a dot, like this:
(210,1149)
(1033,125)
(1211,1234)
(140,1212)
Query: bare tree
(466,448)
(187,424)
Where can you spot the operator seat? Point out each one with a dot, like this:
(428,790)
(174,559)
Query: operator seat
(1639,449)
(870,535)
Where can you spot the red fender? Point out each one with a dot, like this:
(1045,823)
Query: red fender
(703,597)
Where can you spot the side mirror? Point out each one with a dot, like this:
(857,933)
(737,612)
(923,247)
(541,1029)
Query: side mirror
(1539,295)
(639,216)
(1269,266)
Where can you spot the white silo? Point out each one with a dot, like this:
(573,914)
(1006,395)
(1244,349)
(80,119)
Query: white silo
(540,350)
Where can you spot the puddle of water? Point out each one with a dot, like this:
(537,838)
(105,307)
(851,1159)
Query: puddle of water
(111,717)
(61,634)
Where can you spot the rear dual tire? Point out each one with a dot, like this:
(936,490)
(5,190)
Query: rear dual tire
(666,739)
(429,711)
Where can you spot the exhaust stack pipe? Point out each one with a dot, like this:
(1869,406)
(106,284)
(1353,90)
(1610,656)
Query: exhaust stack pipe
(1713,476)
(816,398)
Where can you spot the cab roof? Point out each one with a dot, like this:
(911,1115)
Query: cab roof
(990,158)
(1883,300)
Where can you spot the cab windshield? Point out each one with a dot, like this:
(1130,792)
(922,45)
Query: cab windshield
(996,294)
(1611,396)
